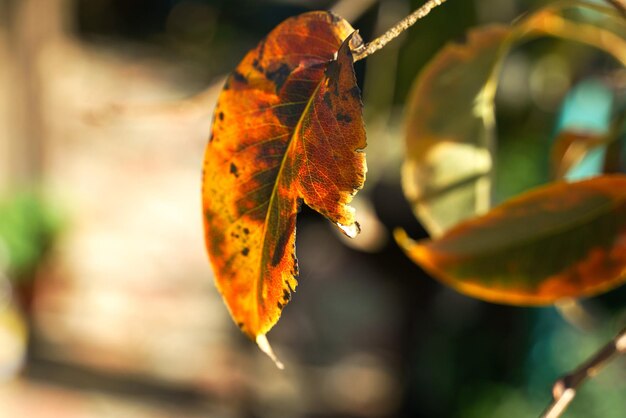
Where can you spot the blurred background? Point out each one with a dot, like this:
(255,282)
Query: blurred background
(107,302)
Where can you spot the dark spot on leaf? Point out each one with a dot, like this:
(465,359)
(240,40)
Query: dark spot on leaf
(256,64)
(239,77)
(279,75)
(344,118)
(332,73)
(266,176)
(246,231)
(215,240)
(221,115)
(355,92)
(280,305)
(328,100)
(334,18)
(315,26)
(281,245)
(233,170)
(289,115)
(245,251)
(240,324)
(286,295)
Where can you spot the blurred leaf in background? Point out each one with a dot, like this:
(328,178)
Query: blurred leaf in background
(29,224)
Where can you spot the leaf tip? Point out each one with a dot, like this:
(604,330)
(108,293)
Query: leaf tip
(402,238)
(414,249)
(264,345)
(350,230)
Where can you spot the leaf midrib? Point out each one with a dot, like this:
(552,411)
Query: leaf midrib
(261,275)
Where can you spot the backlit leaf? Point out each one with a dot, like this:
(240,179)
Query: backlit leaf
(449,136)
(560,241)
(583,129)
(447,174)
(287,129)
(577,155)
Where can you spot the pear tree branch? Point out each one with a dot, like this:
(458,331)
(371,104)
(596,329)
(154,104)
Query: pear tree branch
(378,43)
(564,390)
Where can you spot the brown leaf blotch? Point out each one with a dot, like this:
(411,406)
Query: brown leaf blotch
(341,117)
(279,75)
(233,170)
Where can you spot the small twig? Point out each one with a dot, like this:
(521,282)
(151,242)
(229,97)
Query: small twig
(371,47)
(564,390)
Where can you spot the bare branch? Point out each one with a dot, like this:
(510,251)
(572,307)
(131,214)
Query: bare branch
(564,390)
(378,43)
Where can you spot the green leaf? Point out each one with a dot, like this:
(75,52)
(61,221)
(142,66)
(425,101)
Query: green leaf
(565,240)
(446,174)
(448,171)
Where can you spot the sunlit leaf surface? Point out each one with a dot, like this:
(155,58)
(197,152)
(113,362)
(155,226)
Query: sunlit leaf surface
(447,174)
(287,128)
(449,133)
(563,240)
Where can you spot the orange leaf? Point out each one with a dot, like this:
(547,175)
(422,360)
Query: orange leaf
(565,240)
(287,128)
(570,147)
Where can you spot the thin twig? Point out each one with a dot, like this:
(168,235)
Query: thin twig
(371,47)
(564,390)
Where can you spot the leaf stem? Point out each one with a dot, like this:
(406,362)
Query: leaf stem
(378,43)
(564,390)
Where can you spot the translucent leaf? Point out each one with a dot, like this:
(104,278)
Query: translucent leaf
(287,129)
(565,240)
(447,174)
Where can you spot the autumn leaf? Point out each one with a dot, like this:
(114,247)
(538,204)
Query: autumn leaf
(589,122)
(449,134)
(287,129)
(571,147)
(560,241)
(448,175)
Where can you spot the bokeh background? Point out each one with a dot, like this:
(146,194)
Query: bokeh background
(107,302)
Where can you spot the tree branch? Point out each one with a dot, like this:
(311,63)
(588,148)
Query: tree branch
(378,43)
(564,390)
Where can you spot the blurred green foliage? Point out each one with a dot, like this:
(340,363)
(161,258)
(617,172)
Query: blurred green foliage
(29,225)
